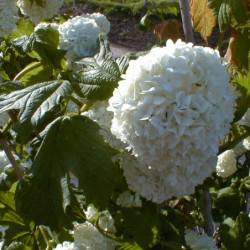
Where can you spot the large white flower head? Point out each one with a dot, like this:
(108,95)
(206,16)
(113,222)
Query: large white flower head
(227,164)
(100,20)
(199,242)
(88,237)
(8,12)
(79,37)
(33,10)
(172,108)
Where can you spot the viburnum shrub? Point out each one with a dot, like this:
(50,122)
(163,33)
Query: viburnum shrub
(146,151)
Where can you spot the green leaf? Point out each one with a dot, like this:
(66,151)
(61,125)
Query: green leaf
(203,19)
(18,246)
(240,47)
(235,234)
(34,73)
(128,245)
(147,21)
(227,202)
(123,61)
(242,85)
(8,214)
(21,234)
(39,2)
(34,103)
(171,227)
(24,28)
(10,86)
(17,230)
(227,11)
(21,44)
(99,75)
(7,179)
(44,46)
(143,224)
(71,144)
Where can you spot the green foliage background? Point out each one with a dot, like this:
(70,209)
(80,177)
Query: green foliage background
(39,209)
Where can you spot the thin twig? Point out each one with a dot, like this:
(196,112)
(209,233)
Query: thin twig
(247,199)
(209,227)
(10,156)
(186,21)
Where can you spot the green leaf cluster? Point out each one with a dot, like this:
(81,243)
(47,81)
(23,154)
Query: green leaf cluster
(228,12)
(73,167)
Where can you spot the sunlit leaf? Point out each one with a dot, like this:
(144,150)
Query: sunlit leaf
(168,29)
(44,47)
(24,28)
(99,75)
(34,73)
(203,18)
(34,103)
(226,10)
(18,246)
(128,245)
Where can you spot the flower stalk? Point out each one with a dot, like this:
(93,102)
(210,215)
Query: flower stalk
(209,227)
(10,156)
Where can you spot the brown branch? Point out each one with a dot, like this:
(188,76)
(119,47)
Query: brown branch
(209,227)
(186,21)
(10,156)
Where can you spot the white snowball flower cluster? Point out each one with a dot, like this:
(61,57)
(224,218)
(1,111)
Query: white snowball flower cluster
(246,143)
(87,236)
(227,164)
(44,25)
(8,11)
(101,21)
(98,112)
(4,161)
(66,246)
(199,242)
(79,37)
(126,199)
(172,108)
(4,118)
(36,11)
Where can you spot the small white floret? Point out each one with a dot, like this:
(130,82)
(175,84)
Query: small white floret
(199,242)
(36,11)
(227,164)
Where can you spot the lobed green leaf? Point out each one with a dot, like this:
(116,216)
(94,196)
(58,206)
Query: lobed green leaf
(99,75)
(235,234)
(71,144)
(34,103)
